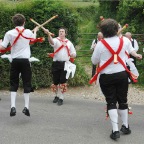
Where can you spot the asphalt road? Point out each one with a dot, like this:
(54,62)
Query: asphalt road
(78,121)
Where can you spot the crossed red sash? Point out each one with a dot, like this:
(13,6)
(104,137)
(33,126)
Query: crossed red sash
(114,55)
(32,40)
(62,46)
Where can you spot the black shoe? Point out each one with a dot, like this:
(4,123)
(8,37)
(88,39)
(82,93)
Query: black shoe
(56,99)
(13,111)
(115,135)
(60,102)
(32,89)
(26,111)
(125,130)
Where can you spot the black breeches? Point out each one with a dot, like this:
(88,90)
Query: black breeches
(59,75)
(93,70)
(20,67)
(115,89)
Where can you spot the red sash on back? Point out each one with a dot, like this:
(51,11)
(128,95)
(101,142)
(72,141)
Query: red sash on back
(32,40)
(114,54)
(127,54)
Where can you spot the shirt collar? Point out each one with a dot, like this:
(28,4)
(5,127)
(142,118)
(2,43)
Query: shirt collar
(20,27)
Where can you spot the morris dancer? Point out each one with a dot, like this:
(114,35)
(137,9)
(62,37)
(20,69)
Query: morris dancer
(63,51)
(134,44)
(19,39)
(94,42)
(129,61)
(110,54)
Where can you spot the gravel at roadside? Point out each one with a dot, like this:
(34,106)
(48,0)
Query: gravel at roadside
(135,94)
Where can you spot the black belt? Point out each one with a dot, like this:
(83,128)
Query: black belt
(59,61)
(20,59)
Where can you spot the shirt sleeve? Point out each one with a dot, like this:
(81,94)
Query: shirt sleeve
(136,47)
(28,33)
(92,45)
(55,42)
(5,41)
(33,35)
(96,54)
(129,46)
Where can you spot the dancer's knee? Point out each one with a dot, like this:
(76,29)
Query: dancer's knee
(123,106)
(54,88)
(111,106)
(63,87)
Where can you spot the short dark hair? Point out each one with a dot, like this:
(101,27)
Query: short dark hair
(66,31)
(18,19)
(109,27)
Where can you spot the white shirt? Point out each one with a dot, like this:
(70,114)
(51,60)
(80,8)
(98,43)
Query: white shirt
(62,55)
(94,42)
(136,47)
(93,45)
(22,48)
(101,54)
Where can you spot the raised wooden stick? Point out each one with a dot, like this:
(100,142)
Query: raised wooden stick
(40,26)
(124,27)
(49,20)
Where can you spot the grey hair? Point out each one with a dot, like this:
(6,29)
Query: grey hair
(128,33)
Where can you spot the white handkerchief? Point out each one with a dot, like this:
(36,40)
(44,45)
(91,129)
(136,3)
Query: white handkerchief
(70,68)
(8,56)
(133,68)
(33,59)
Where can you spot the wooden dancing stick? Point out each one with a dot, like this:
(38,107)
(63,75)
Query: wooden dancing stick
(40,26)
(49,20)
(124,27)
(101,19)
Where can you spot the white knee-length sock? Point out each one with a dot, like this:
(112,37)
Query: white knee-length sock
(13,99)
(26,98)
(124,116)
(57,91)
(61,95)
(113,114)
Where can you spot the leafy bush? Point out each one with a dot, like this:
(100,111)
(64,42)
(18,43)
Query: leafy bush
(108,9)
(132,12)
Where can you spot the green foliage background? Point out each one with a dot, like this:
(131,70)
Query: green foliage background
(125,11)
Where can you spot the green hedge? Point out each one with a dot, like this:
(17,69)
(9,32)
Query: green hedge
(125,11)
(41,10)
(132,12)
